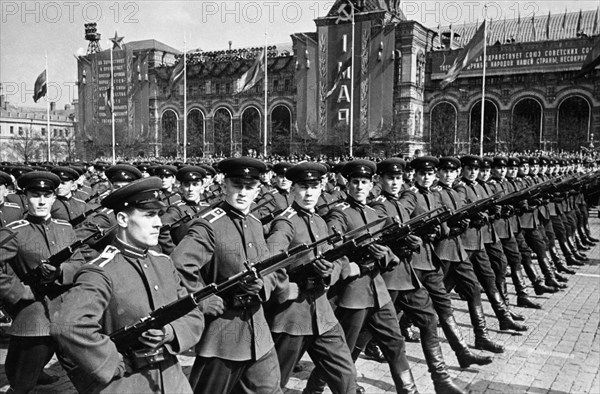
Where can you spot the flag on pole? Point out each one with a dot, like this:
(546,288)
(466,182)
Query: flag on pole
(345,65)
(548,26)
(107,100)
(592,59)
(579,23)
(519,26)
(176,75)
(40,87)
(469,53)
(533,27)
(253,75)
(564,20)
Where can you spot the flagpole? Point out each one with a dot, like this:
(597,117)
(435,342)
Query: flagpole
(47,108)
(184,101)
(266,103)
(483,87)
(351,142)
(113,106)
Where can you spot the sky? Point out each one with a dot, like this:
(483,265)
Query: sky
(32,30)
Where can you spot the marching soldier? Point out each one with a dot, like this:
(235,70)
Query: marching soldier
(124,284)
(31,291)
(18,197)
(280,197)
(236,352)
(9,212)
(305,320)
(167,174)
(99,182)
(67,207)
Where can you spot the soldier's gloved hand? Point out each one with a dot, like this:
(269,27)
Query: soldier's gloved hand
(49,272)
(293,291)
(507,211)
(323,267)
(252,287)
(378,252)
(212,306)
(155,338)
(455,231)
(434,234)
(27,294)
(412,242)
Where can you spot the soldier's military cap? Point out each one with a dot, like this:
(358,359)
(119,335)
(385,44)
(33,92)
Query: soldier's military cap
(80,170)
(190,173)
(534,160)
(5,179)
(524,159)
(20,170)
(210,170)
(449,162)
(471,161)
(144,166)
(393,165)
(544,160)
(123,173)
(282,167)
(101,165)
(165,170)
(39,180)
(500,161)
(513,161)
(65,173)
(424,163)
(306,172)
(140,193)
(359,168)
(487,162)
(242,167)
(269,166)
(337,167)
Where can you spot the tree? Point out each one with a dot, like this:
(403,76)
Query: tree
(27,146)
(443,130)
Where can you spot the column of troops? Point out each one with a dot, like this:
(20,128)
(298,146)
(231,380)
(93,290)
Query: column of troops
(249,265)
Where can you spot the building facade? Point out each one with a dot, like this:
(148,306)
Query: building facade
(386,98)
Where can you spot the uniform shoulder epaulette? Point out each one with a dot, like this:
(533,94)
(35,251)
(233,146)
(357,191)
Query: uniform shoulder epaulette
(492,181)
(78,199)
(178,203)
(17,224)
(288,213)
(11,205)
(200,204)
(413,189)
(107,255)
(436,188)
(60,221)
(214,215)
(380,198)
(251,216)
(157,254)
(342,206)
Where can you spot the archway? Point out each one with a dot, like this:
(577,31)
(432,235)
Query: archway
(442,129)
(169,124)
(281,130)
(573,123)
(223,127)
(525,132)
(251,131)
(195,133)
(490,127)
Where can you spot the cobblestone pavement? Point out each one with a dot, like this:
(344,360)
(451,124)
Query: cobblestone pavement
(559,354)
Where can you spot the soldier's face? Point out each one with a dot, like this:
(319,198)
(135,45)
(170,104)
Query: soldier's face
(65,188)
(524,169)
(425,178)
(447,175)
(140,227)
(340,180)
(167,181)
(282,182)
(39,202)
(239,193)
(306,194)
(191,191)
(392,183)
(534,169)
(470,173)
(359,188)
(499,172)
(512,172)
(265,177)
(484,174)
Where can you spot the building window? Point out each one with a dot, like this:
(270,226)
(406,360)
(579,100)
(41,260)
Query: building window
(20,131)
(66,132)
(286,85)
(43,131)
(217,88)
(228,88)
(54,133)
(275,85)
(12,129)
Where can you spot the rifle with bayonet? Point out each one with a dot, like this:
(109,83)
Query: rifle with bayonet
(81,218)
(126,338)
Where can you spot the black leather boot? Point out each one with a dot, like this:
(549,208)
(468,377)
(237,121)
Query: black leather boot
(525,302)
(579,244)
(502,313)
(558,264)
(373,352)
(406,330)
(540,288)
(589,233)
(408,383)
(482,339)
(442,382)
(464,355)
(561,278)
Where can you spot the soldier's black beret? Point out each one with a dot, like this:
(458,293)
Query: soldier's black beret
(305,172)
(123,173)
(393,165)
(39,180)
(425,163)
(165,170)
(242,167)
(359,168)
(471,161)
(500,161)
(66,173)
(190,173)
(282,167)
(449,163)
(141,193)
(513,161)
(5,179)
